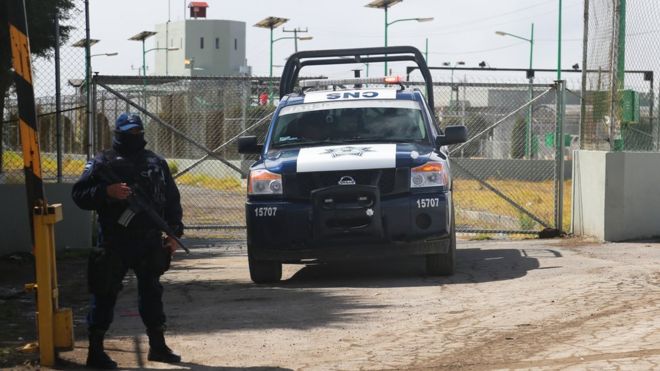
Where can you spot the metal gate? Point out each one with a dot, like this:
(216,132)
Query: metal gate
(193,123)
(509,177)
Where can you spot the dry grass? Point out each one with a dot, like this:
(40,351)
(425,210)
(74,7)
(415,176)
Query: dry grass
(13,161)
(536,197)
(209,182)
(469,195)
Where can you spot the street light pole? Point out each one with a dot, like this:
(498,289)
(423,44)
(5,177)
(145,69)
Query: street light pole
(386,25)
(144,52)
(530,108)
(271,23)
(385,5)
(144,63)
(531,47)
(142,36)
(559,45)
(87,43)
(528,125)
(427,19)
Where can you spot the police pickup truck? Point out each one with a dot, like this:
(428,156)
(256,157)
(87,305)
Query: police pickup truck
(350,169)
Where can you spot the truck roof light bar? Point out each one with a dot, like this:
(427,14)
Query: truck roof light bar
(356,81)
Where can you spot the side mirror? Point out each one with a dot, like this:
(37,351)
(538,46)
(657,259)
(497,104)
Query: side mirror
(453,135)
(248,145)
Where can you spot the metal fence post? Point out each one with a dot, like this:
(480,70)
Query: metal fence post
(58,102)
(559,154)
(582,131)
(88,77)
(93,130)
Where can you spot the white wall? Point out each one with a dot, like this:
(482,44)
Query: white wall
(175,32)
(74,231)
(615,195)
(209,61)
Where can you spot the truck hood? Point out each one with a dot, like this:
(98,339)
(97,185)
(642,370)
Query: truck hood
(354,156)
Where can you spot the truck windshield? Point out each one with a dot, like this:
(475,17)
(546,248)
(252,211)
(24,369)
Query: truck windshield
(355,121)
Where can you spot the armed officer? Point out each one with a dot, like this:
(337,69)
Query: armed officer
(128,239)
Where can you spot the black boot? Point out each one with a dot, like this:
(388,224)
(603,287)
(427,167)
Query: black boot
(158,350)
(96,357)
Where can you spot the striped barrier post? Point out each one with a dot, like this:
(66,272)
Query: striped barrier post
(55,325)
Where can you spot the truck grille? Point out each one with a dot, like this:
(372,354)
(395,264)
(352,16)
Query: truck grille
(389,181)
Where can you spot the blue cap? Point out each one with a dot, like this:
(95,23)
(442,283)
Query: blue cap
(127,121)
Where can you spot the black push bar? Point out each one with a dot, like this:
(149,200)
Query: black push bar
(348,56)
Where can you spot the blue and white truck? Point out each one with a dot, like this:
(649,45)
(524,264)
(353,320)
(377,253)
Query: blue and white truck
(351,169)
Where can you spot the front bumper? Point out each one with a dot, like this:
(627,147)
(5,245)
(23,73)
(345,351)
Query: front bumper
(344,222)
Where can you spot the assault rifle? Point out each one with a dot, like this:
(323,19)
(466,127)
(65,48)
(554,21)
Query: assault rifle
(138,202)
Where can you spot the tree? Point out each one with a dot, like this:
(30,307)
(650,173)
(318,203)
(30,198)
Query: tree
(41,18)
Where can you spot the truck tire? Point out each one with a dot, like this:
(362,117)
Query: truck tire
(444,264)
(264,271)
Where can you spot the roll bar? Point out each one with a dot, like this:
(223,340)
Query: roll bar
(348,56)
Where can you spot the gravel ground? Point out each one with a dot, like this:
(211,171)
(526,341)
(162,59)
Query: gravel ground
(532,304)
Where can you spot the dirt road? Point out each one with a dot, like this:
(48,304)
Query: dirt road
(513,304)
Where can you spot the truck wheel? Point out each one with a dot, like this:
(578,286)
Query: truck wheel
(444,264)
(264,271)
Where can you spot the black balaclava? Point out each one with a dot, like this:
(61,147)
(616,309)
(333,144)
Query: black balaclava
(124,141)
(127,143)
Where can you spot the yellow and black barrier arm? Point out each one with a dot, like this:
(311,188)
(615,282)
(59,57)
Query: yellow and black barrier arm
(54,324)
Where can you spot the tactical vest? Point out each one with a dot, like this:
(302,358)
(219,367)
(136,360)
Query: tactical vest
(141,170)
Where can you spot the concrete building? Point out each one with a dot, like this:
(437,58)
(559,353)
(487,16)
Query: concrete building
(204,47)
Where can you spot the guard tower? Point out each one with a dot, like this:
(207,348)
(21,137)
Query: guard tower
(198,9)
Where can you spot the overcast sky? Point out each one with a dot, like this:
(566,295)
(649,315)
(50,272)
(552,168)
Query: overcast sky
(462,30)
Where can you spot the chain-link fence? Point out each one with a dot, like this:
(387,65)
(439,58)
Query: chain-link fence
(194,123)
(505,176)
(620,48)
(61,121)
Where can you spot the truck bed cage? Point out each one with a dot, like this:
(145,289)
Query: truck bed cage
(349,56)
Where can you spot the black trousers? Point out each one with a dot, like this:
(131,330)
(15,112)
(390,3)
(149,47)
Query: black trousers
(135,254)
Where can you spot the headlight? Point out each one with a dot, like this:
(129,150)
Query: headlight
(263,182)
(431,174)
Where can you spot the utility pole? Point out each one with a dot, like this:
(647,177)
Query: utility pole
(295,35)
